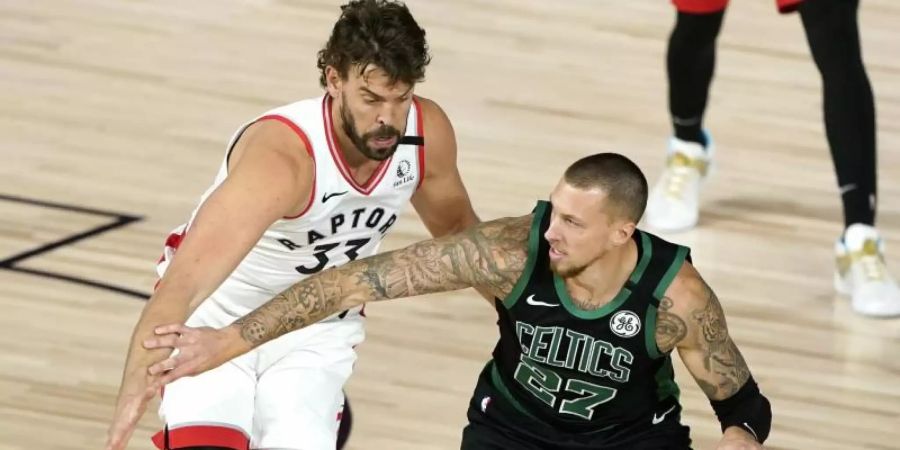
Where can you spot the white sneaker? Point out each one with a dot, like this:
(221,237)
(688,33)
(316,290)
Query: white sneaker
(674,202)
(862,273)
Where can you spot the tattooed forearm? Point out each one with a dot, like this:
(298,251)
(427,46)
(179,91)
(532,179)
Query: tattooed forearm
(726,370)
(670,329)
(490,254)
(313,298)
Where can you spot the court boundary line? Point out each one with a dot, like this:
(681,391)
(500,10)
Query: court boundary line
(119,220)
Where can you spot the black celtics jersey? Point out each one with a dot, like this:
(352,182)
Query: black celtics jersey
(580,370)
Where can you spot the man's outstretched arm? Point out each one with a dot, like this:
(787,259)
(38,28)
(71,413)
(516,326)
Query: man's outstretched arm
(491,254)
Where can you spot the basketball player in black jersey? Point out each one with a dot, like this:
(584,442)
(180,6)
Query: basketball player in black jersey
(591,310)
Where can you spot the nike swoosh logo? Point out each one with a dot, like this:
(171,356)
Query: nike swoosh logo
(659,419)
(847,188)
(325,197)
(531,301)
(751,430)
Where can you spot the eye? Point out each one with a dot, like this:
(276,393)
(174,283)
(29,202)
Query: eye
(574,223)
(370,100)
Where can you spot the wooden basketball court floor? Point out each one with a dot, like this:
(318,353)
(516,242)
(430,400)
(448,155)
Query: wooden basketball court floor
(114,117)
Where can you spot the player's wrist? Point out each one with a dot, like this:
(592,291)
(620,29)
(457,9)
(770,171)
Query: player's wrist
(235,343)
(736,432)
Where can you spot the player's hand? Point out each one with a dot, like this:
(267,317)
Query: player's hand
(130,406)
(198,350)
(736,438)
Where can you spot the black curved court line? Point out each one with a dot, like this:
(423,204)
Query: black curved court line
(120,220)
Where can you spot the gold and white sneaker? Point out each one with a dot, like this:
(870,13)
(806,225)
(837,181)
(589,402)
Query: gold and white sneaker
(862,273)
(674,201)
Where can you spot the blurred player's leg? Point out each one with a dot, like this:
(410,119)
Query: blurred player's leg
(675,199)
(849,108)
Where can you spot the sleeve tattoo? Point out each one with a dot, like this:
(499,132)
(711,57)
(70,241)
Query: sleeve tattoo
(670,329)
(725,368)
(490,255)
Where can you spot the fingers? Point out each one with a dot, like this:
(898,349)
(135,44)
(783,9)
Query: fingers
(167,336)
(176,373)
(172,336)
(167,341)
(172,369)
(164,365)
(175,328)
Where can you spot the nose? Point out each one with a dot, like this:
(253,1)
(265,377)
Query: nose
(389,114)
(551,235)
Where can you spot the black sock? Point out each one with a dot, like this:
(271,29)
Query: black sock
(691,60)
(849,108)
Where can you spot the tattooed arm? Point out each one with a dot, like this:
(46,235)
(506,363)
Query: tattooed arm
(491,255)
(690,318)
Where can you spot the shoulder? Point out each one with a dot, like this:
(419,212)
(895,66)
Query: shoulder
(432,113)
(685,305)
(440,139)
(689,292)
(437,129)
(493,254)
(273,138)
(497,239)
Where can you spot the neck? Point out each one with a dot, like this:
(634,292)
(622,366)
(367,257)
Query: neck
(598,283)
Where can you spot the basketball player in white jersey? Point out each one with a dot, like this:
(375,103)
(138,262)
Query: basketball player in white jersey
(302,188)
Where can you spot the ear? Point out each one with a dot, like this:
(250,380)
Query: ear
(333,82)
(622,232)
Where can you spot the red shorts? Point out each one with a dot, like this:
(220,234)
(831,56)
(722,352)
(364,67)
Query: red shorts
(711,6)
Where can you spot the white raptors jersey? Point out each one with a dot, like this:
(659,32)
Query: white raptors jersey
(344,220)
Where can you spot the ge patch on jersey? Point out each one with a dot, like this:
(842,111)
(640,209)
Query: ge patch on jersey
(625,324)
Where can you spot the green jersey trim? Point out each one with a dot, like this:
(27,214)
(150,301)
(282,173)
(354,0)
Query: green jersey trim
(497,381)
(619,299)
(650,332)
(534,239)
(669,276)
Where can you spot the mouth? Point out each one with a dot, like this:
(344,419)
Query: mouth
(384,142)
(556,255)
